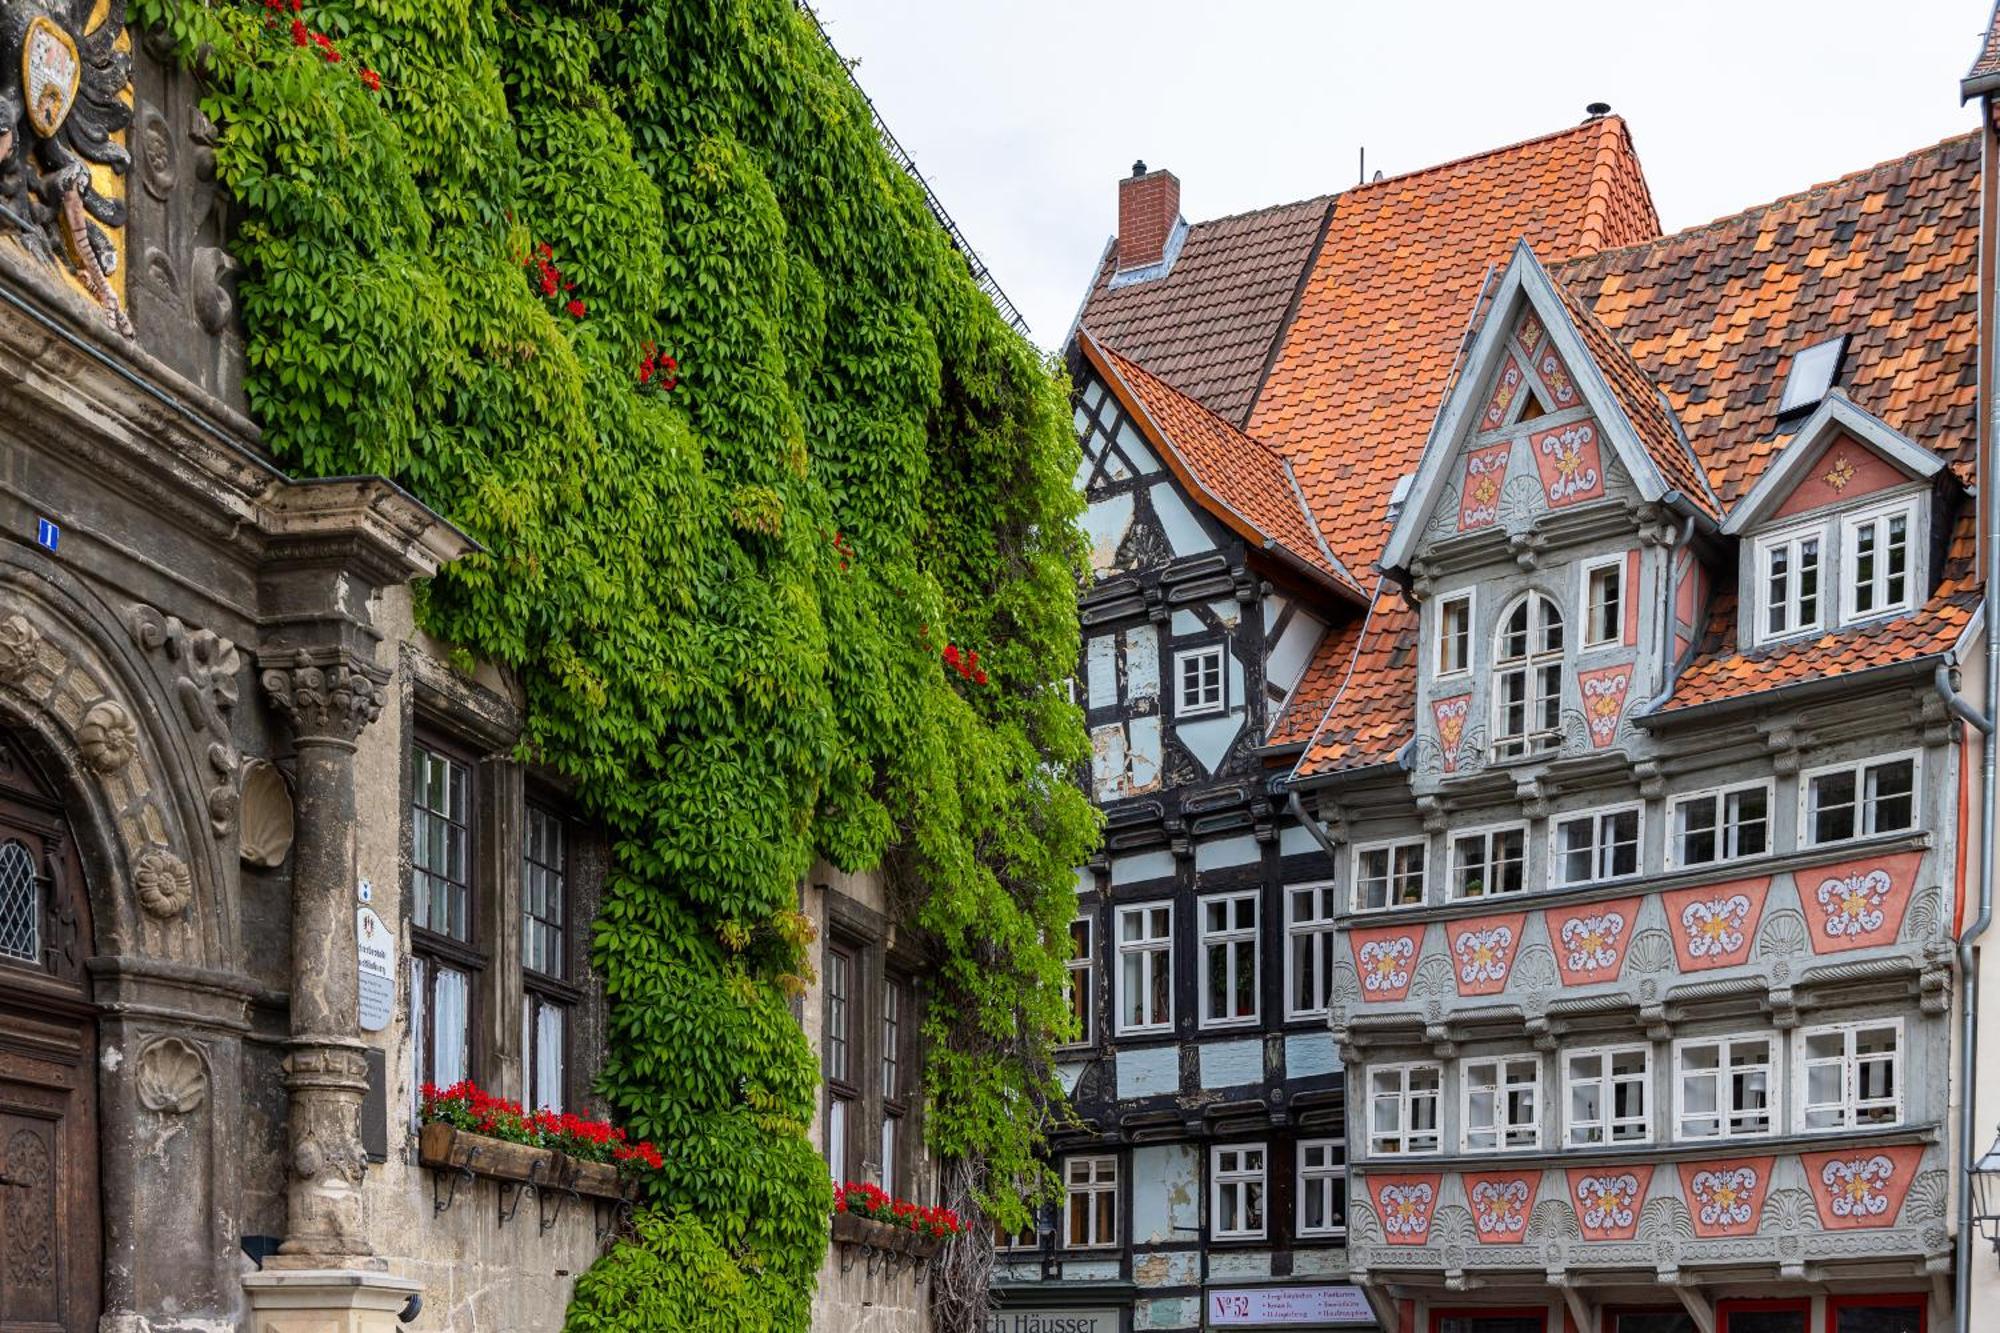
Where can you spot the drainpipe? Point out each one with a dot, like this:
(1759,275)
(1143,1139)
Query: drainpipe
(1668,656)
(1989,502)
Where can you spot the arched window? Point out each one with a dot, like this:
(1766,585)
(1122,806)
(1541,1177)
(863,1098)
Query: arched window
(1527,678)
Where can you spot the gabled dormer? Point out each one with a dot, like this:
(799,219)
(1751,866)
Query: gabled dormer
(1538,540)
(1839,529)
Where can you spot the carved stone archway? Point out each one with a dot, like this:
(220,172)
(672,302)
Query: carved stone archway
(126,711)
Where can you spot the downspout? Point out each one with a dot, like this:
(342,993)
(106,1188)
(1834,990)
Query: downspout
(1668,656)
(1968,1143)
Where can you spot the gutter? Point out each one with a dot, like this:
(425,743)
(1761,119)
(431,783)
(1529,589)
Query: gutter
(1968,952)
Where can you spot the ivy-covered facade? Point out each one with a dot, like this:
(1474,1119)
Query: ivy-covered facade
(531,537)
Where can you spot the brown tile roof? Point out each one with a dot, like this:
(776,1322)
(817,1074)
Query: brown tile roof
(1207,328)
(1888,256)
(1720,671)
(1651,418)
(1364,365)
(1239,480)
(1375,712)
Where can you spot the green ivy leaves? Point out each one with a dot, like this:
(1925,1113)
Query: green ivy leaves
(733,695)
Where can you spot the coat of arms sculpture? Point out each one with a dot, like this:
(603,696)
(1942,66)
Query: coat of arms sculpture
(62,108)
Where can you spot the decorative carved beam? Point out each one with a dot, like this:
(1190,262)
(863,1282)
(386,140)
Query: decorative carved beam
(1580,1308)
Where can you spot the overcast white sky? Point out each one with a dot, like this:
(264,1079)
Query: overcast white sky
(1024,114)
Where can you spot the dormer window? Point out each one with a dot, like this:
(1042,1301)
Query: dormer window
(1790,571)
(1877,544)
(1527,678)
(1199,671)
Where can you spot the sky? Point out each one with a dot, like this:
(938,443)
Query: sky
(1023,115)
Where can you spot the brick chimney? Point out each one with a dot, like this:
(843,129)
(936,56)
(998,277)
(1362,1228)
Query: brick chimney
(1149,203)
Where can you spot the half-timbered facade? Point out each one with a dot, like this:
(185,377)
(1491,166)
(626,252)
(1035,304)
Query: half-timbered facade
(1649,782)
(1207,1164)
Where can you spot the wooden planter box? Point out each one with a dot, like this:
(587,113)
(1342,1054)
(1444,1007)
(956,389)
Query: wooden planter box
(882,1237)
(450,1148)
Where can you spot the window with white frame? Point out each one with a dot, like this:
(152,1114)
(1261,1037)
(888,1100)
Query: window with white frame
(1092,1184)
(1389,874)
(1876,562)
(1236,1198)
(1596,845)
(1499,1101)
(1403,1109)
(1850,1075)
(1604,601)
(1788,567)
(1309,944)
(1454,635)
(1725,1087)
(1485,862)
(1859,800)
(1322,1187)
(1146,968)
(1229,959)
(1606,1096)
(1722,825)
(1527,678)
(1198,672)
(1080,978)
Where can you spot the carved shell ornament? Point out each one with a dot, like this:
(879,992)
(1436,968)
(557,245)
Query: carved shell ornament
(268,820)
(107,737)
(19,645)
(172,1077)
(165,886)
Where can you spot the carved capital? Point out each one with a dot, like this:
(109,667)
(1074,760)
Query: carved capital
(326,698)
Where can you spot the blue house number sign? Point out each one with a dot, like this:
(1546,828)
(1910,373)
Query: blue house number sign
(47,535)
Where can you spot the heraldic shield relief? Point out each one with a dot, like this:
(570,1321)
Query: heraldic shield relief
(63,116)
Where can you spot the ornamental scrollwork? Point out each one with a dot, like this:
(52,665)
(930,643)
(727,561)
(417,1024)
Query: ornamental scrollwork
(205,686)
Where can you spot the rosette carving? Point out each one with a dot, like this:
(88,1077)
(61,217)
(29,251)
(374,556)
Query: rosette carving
(107,738)
(164,884)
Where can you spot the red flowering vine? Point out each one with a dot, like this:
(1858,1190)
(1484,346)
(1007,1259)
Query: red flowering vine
(658,371)
(873,1202)
(843,550)
(303,36)
(965,663)
(469,1107)
(549,279)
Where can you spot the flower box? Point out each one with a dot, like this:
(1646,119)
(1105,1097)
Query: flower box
(883,1237)
(450,1148)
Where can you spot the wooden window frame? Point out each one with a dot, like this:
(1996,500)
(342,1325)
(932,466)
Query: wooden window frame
(1532,666)
(1774,1067)
(1850,1099)
(1162,947)
(1763,1305)
(841,1087)
(1600,847)
(1726,831)
(1404,1100)
(1440,1313)
(1502,1127)
(1242,1178)
(1864,816)
(1608,1121)
(1317,933)
(1304,1178)
(1878,1300)
(1230,938)
(1441,668)
(1791,540)
(1185,657)
(1587,573)
(541,989)
(1392,878)
(431,949)
(1092,1189)
(1081,971)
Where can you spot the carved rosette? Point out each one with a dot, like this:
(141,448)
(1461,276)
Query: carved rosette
(107,738)
(165,886)
(325,700)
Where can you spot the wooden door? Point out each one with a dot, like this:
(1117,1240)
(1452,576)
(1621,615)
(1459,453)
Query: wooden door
(49,1217)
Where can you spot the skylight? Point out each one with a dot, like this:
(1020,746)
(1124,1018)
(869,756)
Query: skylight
(1813,372)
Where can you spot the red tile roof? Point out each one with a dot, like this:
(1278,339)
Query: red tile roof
(1375,711)
(1239,480)
(1208,327)
(1888,256)
(1323,677)
(1365,363)
(1720,671)
(1643,406)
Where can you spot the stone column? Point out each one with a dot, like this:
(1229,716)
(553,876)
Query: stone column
(329,696)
